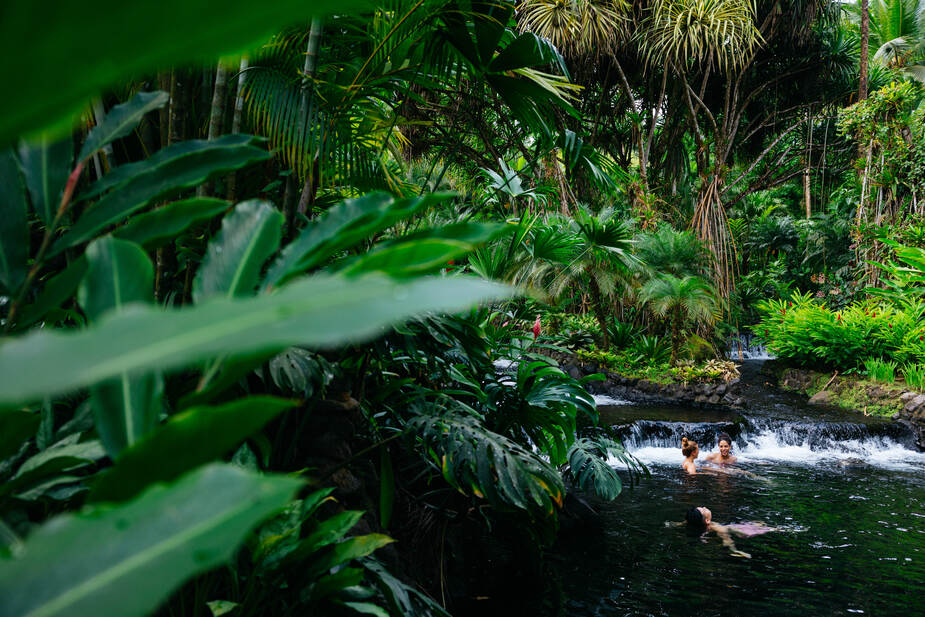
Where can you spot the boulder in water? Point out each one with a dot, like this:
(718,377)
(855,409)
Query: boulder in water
(823,397)
(853,463)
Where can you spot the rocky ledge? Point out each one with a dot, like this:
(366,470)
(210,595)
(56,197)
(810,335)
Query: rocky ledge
(890,400)
(722,394)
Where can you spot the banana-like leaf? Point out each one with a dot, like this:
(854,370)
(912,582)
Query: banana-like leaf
(349,549)
(318,311)
(63,456)
(188,439)
(61,71)
(249,235)
(156,228)
(156,181)
(46,165)
(428,251)
(125,560)
(342,227)
(122,174)
(127,407)
(14,224)
(119,274)
(120,121)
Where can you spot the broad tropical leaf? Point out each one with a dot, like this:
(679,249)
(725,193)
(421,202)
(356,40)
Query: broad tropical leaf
(159,179)
(187,440)
(46,165)
(60,72)
(317,311)
(249,235)
(155,228)
(127,407)
(478,462)
(125,560)
(120,121)
(342,227)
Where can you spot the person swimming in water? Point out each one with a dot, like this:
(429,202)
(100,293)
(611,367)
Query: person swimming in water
(724,456)
(701,519)
(690,450)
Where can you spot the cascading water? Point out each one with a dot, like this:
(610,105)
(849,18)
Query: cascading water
(745,347)
(764,440)
(845,494)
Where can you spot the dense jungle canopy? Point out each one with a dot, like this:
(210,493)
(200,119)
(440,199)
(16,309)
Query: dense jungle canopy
(262,269)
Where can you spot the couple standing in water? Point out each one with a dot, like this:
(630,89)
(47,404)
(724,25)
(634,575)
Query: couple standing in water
(701,518)
(691,451)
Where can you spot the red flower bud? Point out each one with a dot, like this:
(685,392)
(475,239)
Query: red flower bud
(536,327)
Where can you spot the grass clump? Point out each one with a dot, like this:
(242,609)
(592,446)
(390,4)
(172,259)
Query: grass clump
(880,370)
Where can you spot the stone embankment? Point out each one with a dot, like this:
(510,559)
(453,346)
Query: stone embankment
(890,400)
(722,394)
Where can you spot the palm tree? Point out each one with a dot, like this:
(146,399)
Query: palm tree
(682,300)
(602,260)
(668,251)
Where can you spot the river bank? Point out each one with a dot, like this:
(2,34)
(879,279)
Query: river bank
(818,389)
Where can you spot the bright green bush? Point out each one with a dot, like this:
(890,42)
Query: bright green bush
(914,376)
(803,331)
(880,370)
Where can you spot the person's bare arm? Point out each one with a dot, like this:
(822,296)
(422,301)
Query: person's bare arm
(726,537)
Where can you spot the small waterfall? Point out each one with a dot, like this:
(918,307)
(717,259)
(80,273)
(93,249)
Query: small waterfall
(776,441)
(744,347)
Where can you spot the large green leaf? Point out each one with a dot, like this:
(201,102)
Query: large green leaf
(46,165)
(14,224)
(79,54)
(127,407)
(63,456)
(318,311)
(157,227)
(120,121)
(125,560)
(342,227)
(249,235)
(156,182)
(119,273)
(426,251)
(187,440)
(122,174)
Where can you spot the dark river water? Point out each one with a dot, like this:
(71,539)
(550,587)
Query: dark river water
(847,493)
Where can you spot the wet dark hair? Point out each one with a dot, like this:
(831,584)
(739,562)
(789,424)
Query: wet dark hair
(723,437)
(694,518)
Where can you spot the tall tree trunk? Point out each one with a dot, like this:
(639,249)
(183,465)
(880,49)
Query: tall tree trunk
(216,118)
(865,42)
(597,305)
(807,182)
(311,54)
(236,120)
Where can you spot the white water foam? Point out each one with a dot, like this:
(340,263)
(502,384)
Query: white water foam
(605,400)
(767,447)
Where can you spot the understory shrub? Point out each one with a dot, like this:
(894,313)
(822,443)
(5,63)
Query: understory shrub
(804,331)
(914,376)
(880,370)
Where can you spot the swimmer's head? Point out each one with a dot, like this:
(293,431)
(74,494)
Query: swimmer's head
(699,517)
(688,447)
(725,444)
